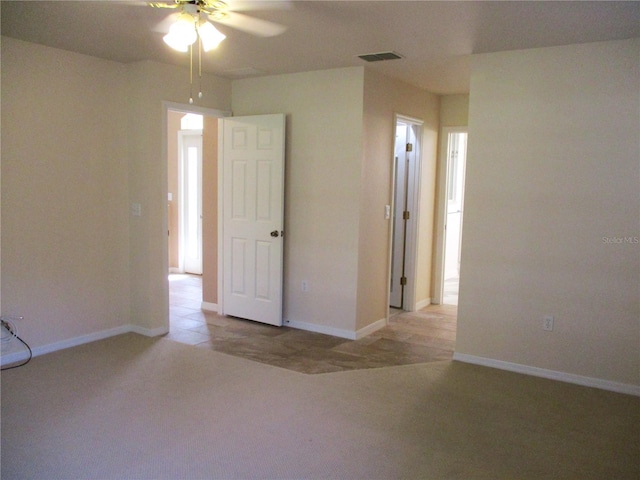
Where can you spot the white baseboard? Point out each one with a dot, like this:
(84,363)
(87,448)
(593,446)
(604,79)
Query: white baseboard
(74,342)
(174,270)
(314,327)
(423,303)
(337,332)
(550,374)
(369,329)
(209,307)
(148,332)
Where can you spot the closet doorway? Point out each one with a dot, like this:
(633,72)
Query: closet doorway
(406,171)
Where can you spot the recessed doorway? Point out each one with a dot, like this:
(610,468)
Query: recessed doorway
(404,214)
(190,148)
(453,152)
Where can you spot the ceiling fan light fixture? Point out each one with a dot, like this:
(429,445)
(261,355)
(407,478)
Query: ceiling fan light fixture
(182,33)
(210,36)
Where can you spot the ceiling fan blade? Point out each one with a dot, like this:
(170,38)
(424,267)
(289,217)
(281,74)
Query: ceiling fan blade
(255,26)
(246,5)
(163,4)
(138,3)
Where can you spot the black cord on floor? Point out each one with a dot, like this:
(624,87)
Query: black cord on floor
(11,330)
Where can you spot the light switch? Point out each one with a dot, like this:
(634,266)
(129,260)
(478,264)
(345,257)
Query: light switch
(136,209)
(387,212)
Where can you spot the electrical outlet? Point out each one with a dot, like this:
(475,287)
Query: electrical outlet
(305,286)
(547,323)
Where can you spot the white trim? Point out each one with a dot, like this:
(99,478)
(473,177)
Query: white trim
(74,342)
(209,307)
(148,332)
(314,327)
(550,374)
(372,327)
(219,215)
(337,332)
(423,303)
(175,270)
(14,357)
(187,108)
(182,202)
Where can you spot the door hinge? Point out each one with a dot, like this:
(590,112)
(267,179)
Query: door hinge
(403,280)
(405,215)
(409,147)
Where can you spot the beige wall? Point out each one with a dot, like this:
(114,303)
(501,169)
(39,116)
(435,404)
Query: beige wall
(210,210)
(553,173)
(339,152)
(65,207)
(323,168)
(173,126)
(454,110)
(149,85)
(82,139)
(383,99)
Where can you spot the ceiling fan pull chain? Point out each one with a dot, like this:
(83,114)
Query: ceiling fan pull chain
(191,74)
(199,66)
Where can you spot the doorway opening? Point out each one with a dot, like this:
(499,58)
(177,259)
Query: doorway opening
(190,211)
(406,167)
(184,198)
(190,149)
(453,152)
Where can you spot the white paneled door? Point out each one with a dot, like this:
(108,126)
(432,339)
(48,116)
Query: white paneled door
(251,181)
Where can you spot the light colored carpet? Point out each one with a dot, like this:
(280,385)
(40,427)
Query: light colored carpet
(138,408)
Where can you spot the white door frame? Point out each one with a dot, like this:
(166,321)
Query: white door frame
(413,194)
(182,221)
(441,211)
(401,174)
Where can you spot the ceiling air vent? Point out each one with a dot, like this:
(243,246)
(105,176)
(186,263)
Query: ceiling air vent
(378,57)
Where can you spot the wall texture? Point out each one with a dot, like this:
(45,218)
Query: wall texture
(454,110)
(65,209)
(82,139)
(553,210)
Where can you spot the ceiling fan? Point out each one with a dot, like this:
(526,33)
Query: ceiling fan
(202,12)
(192,23)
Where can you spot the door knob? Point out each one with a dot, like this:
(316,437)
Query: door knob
(275,233)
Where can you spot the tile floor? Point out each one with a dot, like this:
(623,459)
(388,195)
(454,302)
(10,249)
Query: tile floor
(415,337)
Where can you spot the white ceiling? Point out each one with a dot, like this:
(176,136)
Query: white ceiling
(435,38)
